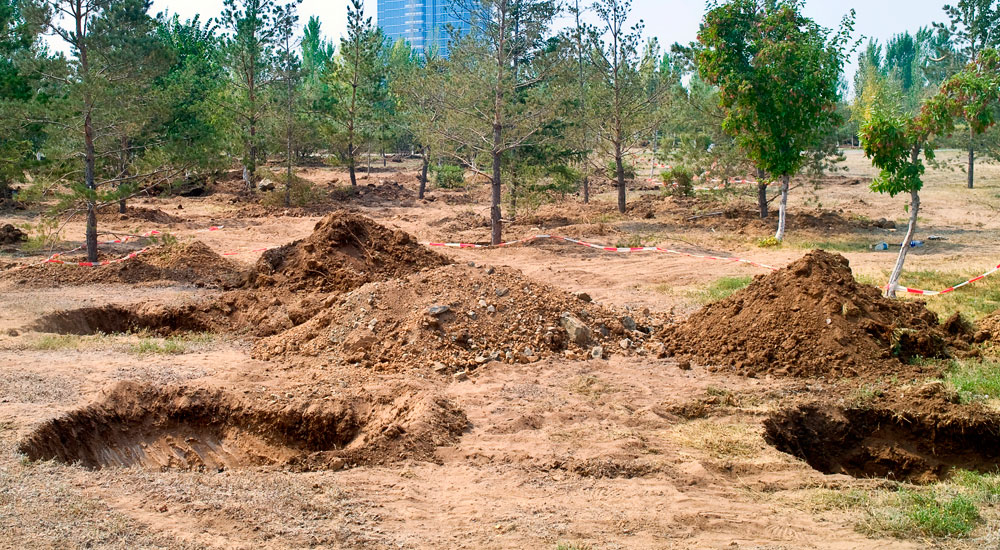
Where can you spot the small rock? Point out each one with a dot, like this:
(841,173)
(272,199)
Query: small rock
(472,315)
(981,337)
(472,264)
(460,376)
(597,352)
(684,365)
(482,359)
(491,309)
(628,323)
(440,367)
(584,297)
(490,270)
(625,344)
(502,291)
(13,332)
(482,303)
(438,310)
(579,333)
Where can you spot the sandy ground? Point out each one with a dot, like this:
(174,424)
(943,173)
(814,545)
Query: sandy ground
(587,454)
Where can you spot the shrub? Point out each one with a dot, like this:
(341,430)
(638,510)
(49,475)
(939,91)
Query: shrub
(679,181)
(449,176)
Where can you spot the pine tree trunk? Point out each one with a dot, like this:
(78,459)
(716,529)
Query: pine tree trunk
(783,210)
(423,173)
(897,271)
(350,161)
(89,160)
(762,200)
(620,176)
(123,174)
(496,221)
(586,188)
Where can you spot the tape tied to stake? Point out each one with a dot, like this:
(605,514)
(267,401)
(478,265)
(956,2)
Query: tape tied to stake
(919,292)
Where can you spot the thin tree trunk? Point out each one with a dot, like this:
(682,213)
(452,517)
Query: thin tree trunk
(620,176)
(897,272)
(368,172)
(586,187)
(761,194)
(383,157)
(782,212)
(496,221)
(350,159)
(972,159)
(89,159)
(123,174)
(423,173)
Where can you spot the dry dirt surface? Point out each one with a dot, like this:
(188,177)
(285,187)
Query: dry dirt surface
(355,389)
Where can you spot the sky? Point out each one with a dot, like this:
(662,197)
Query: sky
(669,20)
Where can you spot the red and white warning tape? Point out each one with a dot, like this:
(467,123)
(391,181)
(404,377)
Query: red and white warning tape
(97,264)
(949,289)
(53,259)
(605,249)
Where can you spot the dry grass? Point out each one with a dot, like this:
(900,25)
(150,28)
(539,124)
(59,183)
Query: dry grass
(720,441)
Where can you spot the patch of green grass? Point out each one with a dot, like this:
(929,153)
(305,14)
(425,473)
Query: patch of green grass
(769,242)
(974,379)
(832,246)
(55,342)
(141,343)
(973,301)
(936,515)
(722,288)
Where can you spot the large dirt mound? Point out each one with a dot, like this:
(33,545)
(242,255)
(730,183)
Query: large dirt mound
(345,251)
(189,263)
(185,428)
(809,319)
(457,317)
(916,435)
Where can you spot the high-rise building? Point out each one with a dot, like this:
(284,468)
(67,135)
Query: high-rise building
(422,23)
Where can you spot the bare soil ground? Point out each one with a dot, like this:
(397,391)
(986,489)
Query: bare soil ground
(354,389)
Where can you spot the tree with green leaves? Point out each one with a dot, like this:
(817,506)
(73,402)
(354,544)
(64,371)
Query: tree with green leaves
(778,74)
(355,77)
(250,59)
(289,67)
(498,95)
(973,26)
(20,92)
(632,100)
(895,140)
(107,41)
(419,86)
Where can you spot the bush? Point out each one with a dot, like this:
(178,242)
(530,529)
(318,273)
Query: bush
(449,176)
(628,168)
(302,192)
(679,181)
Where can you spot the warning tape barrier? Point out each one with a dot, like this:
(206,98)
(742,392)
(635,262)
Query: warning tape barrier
(52,259)
(949,289)
(605,249)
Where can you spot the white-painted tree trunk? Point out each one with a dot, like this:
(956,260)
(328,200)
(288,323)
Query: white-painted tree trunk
(783,209)
(897,272)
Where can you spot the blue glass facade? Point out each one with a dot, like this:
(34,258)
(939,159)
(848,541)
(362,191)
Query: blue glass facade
(422,23)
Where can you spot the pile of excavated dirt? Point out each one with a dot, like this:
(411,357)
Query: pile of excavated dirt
(919,435)
(190,263)
(199,429)
(990,328)
(457,317)
(345,251)
(155,215)
(809,319)
(11,235)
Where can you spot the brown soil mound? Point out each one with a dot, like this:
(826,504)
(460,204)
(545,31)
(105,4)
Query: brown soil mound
(919,435)
(345,251)
(154,215)
(458,316)
(185,428)
(11,235)
(991,326)
(191,263)
(809,319)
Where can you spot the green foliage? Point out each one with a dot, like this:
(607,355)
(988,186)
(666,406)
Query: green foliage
(679,181)
(301,193)
(936,515)
(722,288)
(42,235)
(778,75)
(769,242)
(449,176)
(611,170)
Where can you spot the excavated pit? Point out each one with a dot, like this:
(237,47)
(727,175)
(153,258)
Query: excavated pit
(116,319)
(919,442)
(198,429)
